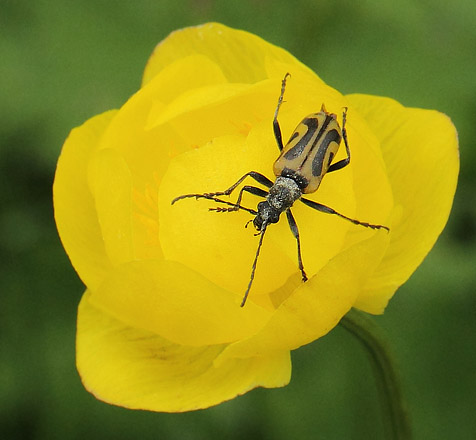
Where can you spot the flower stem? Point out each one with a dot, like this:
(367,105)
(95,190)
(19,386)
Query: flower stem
(396,419)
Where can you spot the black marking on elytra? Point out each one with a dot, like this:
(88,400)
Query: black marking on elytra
(322,130)
(318,161)
(296,151)
(293,136)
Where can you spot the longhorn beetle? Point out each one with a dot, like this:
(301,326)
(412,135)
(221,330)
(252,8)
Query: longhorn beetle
(299,170)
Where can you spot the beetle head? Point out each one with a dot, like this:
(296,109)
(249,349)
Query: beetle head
(266,215)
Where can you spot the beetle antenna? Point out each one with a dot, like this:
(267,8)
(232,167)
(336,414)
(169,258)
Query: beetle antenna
(253,269)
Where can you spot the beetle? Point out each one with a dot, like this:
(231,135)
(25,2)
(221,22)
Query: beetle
(299,169)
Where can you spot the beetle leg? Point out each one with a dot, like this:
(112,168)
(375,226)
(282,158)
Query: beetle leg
(257,176)
(251,189)
(295,231)
(328,210)
(276,127)
(344,162)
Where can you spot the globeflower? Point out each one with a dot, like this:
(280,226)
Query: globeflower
(160,325)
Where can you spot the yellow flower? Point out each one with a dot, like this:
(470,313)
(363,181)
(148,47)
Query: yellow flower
(160,326)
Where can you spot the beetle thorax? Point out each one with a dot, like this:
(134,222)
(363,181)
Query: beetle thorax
(283,193)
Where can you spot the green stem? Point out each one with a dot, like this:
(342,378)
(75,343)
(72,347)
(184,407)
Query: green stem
(396,420)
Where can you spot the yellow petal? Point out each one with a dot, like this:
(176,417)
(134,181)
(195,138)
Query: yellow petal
(144,151)
(193,100)
(188,73)
(137,159)
(243,57)
(420,149)
(137,369)
(75,211)
(110,181)
(208,112)
(317,306)
(177,303)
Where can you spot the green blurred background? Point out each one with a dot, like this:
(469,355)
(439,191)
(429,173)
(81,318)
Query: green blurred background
(62,62)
